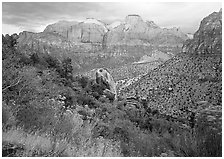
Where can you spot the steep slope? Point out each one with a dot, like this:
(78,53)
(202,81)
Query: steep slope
(188,78)
(208,38)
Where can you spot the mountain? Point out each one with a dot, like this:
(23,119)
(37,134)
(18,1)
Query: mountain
(93,44)
(60,27)
(208,38)
(134,31)
(95,35)
(188,78)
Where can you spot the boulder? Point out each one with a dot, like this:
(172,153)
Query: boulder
(104,78)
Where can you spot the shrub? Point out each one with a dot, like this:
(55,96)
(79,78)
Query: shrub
(8,118)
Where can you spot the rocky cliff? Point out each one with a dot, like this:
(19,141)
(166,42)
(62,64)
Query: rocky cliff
(208,38)
(120,42)
(60,27)
(134,31)
(181,82)
(95,35)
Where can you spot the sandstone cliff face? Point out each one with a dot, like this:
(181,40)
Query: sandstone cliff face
(93,35)
(89,31)
(87,36)
(60,27)
(123,42)
(134,31)
(208,38)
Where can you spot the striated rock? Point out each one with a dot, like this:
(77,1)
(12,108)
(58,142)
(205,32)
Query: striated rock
(208,38)
(120,43)
(60,27)
(25,37)
(104,78)
(135,31)
(89,31)
(93,35)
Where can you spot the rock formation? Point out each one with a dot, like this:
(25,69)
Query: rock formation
(60,27)
(93,34)
(134,31)
(88,31)
(187,78)
(104,78)
(120,43)
(208,38)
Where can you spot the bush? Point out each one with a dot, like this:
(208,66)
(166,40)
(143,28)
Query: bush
(8,118)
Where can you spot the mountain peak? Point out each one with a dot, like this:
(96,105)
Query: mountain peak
(133,19)
(95,21)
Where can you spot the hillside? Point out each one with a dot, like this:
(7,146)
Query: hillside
(189,77)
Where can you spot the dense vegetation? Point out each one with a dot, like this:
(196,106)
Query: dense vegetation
(47,111)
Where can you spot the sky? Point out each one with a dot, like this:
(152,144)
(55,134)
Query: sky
(35,16)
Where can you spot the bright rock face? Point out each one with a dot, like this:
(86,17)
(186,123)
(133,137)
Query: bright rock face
(120,43)
(60,27)
(92,35)
(89,31)
(104,78)
(135,31)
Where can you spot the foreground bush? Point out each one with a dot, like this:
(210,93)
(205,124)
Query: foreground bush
(209,132)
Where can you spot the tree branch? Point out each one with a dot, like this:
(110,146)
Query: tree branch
(12,85)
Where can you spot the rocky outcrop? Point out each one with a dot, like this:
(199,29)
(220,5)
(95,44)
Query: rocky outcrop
(120,43)
(208,38)
(104,78)
(93,35)
(175,87)
(60,27)
(89,31)
(135,31)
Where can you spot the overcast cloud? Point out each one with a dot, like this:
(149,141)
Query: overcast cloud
(34,16)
